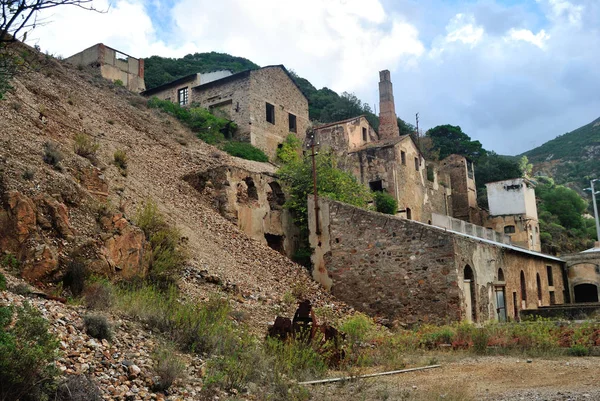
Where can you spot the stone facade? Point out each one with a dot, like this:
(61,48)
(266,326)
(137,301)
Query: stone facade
(464,191)
(410,272)
(513,210)
(584,275)
(171,91)
(344,136)
(251,200)
(113,64)
(266,105)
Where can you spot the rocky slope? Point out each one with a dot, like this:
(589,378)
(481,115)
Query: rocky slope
(83,206)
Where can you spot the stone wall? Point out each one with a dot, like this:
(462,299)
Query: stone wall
(583,268)
(170,93)
(464,192)
(526,230)
(411,272)
(252,201)
(273,85)
(345,136)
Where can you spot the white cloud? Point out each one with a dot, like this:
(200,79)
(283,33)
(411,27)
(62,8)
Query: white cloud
(463,28)
(526,35)
(565,10)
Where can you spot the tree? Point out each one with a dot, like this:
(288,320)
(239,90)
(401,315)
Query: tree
(450,139)
(494,167)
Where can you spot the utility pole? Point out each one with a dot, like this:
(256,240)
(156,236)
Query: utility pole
(314,172)
(594,193)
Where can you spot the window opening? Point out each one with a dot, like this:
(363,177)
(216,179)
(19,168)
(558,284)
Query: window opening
(403,157)
(417,163)
(364,132)
(270,113)
(376,186)
(500,275)
(182,96)
(430,174)
(549,274)
(509,229)
(408,213)
(291,121)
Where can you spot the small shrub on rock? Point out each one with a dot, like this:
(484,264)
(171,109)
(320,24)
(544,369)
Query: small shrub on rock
(579,350)
(78,388)
(52,155)
(99,295)
(85,146)
(9,261)
(168,367)
(2,282)
(97,326)
(120,159)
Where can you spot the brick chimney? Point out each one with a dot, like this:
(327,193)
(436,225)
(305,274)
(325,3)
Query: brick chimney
(388,125)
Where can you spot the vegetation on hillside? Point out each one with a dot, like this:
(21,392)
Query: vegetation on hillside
(160,70)
(573,156)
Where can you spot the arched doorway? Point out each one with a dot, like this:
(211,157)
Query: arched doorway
(523,291)
(500,297)
(586,293)
(538,282)
(469,288)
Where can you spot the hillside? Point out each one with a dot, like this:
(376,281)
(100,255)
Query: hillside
(572,158)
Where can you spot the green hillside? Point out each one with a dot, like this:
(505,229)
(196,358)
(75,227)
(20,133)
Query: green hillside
(571,159)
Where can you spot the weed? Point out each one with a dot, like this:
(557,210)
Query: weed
(99,295)
(85,146)
(27,353)
(288,299)
(120,159)
(579,350)
(9,261)
(21,289)
(28,174)
(78,388)
(97,326)
(168,367)
(52,155)
(118,83)
(2,282)
(246,151)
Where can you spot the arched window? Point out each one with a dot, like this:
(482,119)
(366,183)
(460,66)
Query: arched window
(500,274)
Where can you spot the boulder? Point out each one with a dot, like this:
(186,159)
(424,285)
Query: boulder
(41,261)
(22,212)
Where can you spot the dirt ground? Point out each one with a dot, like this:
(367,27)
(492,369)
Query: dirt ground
(479,378)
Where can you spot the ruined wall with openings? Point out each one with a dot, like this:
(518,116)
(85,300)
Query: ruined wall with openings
(345,136)
(522,230)
(464,192)
(583,269)
(411,272)
(253,201)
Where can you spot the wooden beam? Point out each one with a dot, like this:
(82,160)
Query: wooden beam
(392,372)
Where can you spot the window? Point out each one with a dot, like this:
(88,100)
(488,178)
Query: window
(270,113)
(403,157)
(408,213)
(417,163)
(469,169)
(550,278)
(182,96)
(376,186)
(509,229)
(430,174)
(291,122)
(364,130)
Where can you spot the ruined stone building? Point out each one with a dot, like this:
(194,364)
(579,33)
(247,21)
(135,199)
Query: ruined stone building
(266,104)
(584,275)
(113,65)
(409,272)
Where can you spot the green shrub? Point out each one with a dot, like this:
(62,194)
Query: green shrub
(168,367)
(579,350)
(52,155)
(118,82)
(9,261)
(97,326)
(75,276)
(480,340)
(99,295)
(245,150)
(85,146)
(357,327)
(385,203)
(28,174)
(2,282)
(120,159)
(27,353)
(289,150)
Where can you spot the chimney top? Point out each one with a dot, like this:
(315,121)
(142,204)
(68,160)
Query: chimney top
(384,75)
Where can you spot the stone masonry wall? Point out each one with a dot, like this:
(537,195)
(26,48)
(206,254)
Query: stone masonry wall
(171,93)
(272,85)
(411,272)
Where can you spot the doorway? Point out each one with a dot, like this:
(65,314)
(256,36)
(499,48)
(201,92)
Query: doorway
(586,293)
(469,287)
(501,303)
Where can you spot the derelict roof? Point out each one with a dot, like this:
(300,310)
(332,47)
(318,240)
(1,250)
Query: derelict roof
(384,143)
(327,125)
(178,81)
(245,74)
(525,180)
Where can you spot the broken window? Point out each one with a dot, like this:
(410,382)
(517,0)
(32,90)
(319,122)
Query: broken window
(291,122)
(252,191)
(376,186)
(364,132)
(430,174)
(403,157)
(417,163)
(509,229)
(182,96)
(276,197)
(275,242)
(270,113)
(550,278)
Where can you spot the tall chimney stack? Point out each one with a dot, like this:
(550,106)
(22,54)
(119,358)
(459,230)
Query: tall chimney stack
(388,125)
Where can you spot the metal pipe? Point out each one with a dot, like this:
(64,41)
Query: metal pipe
(595,210)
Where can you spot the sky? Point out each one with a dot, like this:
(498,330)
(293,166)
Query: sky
(512,74)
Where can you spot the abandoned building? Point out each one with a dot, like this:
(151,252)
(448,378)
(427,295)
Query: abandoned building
(409,272)
(113,65)
(251,199)
(584,275)
(266,104)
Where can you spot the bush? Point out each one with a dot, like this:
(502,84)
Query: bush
(385,203)
(2,282)
(118,82)
(120,159)
(78,388)
(75,276)
(9,261)
(579,350)
(289,150)
(97,326)
(246,151)
(99,295)
(52,155)
(168,367)
(85,146)
(27,353)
